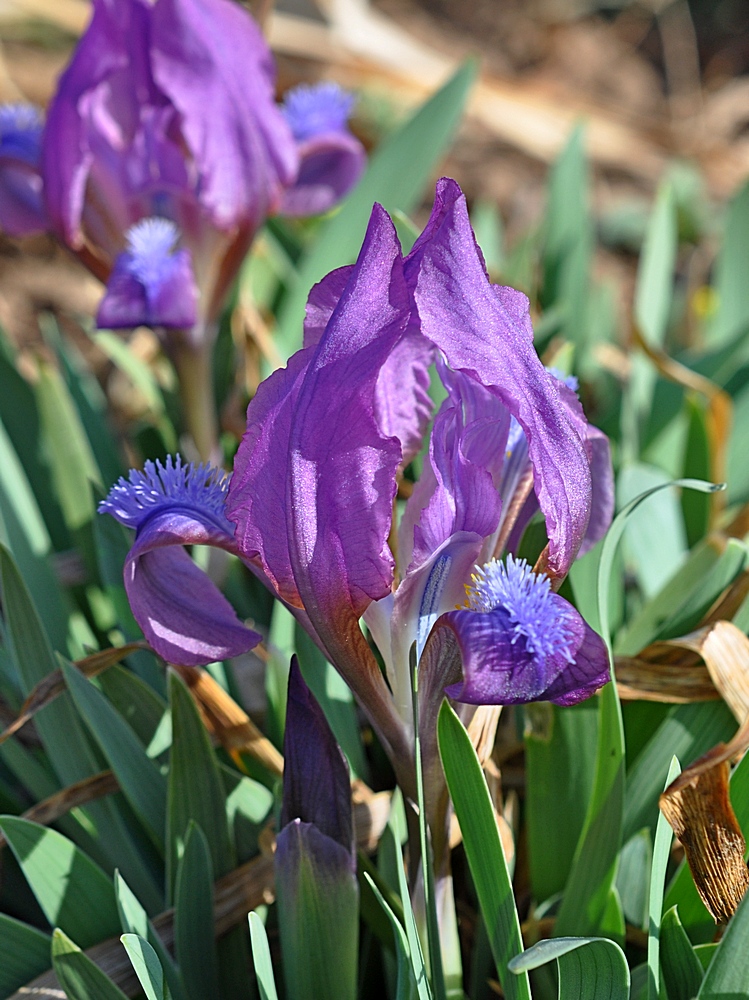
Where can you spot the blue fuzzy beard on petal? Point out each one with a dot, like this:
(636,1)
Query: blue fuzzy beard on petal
(315,109)
(526,599)
(150,246)
(132,501)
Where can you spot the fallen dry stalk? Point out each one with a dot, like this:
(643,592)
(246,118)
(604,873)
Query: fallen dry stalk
(54,684)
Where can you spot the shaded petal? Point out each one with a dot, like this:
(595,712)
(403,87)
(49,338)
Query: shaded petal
(436,586)
(21,205)
(499,669)
(183,615)
(207,58)
(21,209)
(485,332)
(466,453)
(316,781)
(602,473)
(329,167)
(322,301)
(80,107)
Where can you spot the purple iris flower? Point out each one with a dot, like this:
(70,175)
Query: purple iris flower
(331,159)
(167,109)
(21,207)
(328,438)
(316,474)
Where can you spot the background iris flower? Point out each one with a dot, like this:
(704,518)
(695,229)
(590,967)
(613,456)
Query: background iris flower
(165,114)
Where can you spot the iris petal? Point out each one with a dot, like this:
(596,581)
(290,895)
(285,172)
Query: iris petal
(180,610)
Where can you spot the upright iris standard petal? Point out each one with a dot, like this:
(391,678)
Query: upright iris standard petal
(403,405)
(152,283)
(21,207)
(330,468)
(331,159)
(521,642)
(212,63)
(181,612)
(314,477)
(485,331)
(167,108)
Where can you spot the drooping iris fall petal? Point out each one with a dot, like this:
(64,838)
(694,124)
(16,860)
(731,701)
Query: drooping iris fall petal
(520,642)
(152,283)
(331,159)
(181,612)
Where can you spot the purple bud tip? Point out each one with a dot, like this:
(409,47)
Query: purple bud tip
(21,128)
(133,501)
(313,109)
(527,600)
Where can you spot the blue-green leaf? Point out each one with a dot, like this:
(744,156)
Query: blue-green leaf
(588,967)
(193,918)
(483,848)
(661,850)
(73,892)
(78,975)
(682,971)
(24,953)
(261,957)
(147,967)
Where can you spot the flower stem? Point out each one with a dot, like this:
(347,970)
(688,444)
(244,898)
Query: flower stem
(195,372)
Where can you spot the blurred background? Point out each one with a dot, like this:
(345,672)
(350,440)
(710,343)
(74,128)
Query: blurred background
(661,88)
(656,93)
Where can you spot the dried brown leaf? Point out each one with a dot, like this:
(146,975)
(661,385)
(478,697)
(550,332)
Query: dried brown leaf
(228,722)
(698,807)
(53,684)
(711,662)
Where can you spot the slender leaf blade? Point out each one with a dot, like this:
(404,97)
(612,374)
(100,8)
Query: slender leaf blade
(73,892)
(78,975)
(661,849)
(261,957)
(147,967)
(486,859)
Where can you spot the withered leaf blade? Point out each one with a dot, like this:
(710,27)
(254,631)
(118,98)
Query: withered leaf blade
(53,684)
(698,807)
(711,662)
